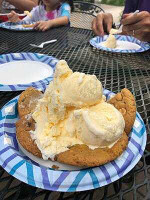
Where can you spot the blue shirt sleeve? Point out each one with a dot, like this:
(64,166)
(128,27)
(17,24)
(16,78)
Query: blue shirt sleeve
(65,10)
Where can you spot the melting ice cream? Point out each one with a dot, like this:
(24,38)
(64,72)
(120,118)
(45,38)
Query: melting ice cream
(73,111)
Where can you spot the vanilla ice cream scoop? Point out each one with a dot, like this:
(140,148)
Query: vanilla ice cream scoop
(100,125)
(80,90)
(110,42)
(62,71)
(74,89)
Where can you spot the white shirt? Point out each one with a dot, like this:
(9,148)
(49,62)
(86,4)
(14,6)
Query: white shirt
(39,13)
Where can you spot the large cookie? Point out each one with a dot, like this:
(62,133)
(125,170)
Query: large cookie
(23,128)
(78,155)
(124,101)
(81,155)
(28,100)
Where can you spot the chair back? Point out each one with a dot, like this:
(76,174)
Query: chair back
(83,14)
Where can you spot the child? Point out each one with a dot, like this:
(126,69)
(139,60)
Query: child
(48,14)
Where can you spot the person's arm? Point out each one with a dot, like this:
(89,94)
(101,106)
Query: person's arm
(45,25)
(23,5)
(13,17)
(137,25)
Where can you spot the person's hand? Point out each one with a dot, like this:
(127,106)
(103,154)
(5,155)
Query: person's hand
(13,17)
(102,23)
(137,25)
(43,25)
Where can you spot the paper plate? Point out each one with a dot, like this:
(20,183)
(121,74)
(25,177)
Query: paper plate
(16,163)
(125,44)
(16,26)
(19,71)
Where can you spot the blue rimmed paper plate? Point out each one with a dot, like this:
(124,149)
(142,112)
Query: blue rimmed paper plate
(125,44)
(18,26)
(19,71)
(16,163)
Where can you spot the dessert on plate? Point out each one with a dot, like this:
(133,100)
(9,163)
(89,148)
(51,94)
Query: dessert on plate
(27,25)
(72,122)
(111,42)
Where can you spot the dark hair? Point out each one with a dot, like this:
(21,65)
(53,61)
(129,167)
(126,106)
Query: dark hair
(70,2)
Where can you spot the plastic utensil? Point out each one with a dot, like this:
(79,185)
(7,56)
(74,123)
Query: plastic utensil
(43,43)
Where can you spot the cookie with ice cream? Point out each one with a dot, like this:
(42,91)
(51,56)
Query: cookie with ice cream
(72,118)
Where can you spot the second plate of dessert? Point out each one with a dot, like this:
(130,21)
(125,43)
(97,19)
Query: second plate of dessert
(125,44)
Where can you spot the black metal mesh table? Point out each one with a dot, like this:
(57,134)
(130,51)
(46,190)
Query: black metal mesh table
(115,71)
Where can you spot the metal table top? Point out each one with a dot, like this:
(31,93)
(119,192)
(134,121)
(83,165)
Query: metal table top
(115,71)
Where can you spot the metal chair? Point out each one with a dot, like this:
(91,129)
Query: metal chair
(83,14)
